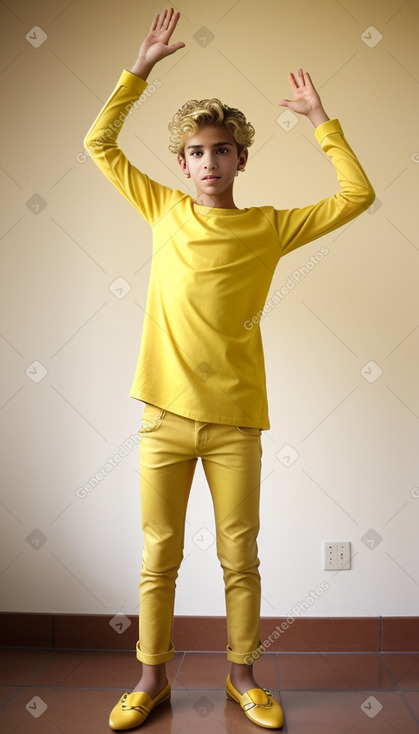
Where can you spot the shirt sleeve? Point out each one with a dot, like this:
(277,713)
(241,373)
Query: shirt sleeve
(297,227)
(150,198)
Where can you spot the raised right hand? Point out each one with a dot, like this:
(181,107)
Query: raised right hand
(156,44)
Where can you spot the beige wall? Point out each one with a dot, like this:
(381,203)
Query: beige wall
(341,345)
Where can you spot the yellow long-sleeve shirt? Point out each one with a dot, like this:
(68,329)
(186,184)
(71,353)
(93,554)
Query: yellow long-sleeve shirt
(211,272)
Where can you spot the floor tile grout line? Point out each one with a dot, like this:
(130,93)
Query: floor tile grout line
(360,653)
(380,633)
(290,653)
(39,668)
(383,661)
(16,693)
(178,668)
(378,691)
(278,672)
(219,689)
(112,650)
(406,703)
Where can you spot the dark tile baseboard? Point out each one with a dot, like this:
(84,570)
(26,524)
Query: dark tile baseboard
(120,632)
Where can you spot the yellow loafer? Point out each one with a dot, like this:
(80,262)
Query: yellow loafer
(259,705)
(132,709)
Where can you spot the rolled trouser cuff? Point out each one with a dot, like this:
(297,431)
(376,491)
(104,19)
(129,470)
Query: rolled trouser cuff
(246,658)
(154,659)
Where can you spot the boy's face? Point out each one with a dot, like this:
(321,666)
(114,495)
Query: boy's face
(212,159)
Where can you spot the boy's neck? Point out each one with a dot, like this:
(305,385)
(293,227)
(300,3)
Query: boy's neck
(217,202)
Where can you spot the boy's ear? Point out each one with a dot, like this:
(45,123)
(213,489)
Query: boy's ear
(243,158)
(182,163)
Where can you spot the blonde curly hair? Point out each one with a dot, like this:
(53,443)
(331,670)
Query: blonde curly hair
(195,114)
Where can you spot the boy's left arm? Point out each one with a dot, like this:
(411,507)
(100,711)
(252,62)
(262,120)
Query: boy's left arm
(297,227)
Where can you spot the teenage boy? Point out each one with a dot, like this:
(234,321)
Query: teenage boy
(200,371)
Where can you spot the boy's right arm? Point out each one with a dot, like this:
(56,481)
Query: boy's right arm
(101,140)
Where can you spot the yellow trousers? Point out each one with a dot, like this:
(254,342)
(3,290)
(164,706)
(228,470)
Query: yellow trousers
(170,446)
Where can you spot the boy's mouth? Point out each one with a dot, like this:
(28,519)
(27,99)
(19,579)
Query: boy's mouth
(211,178)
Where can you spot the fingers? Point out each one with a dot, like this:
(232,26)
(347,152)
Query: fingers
(161,20)
(308,81)
(165,20)
(172,18)
(156,24)
(302,79)
(292,81)
(176,46)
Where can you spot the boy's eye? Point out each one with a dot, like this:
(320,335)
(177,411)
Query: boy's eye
(196,153)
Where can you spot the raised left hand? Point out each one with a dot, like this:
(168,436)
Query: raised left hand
(306,98)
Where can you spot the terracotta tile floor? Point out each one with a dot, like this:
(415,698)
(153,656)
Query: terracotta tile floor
(72,691)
